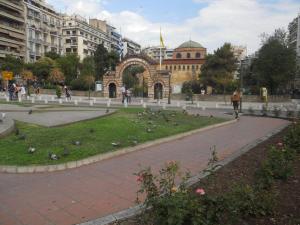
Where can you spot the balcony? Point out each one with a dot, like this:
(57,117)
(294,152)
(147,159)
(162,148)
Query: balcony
(32,53)
(38,41)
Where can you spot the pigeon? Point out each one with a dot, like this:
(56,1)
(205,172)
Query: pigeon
(3,115)
(17,131)
(135,142)
(52,156)
(77,143)
(30,112)
(66,152)
(22,137)
(31,150)
(175,124)
(149,130)
(211,116)
(107,111)
(115,144)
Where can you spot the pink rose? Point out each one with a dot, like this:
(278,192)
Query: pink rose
(200,191)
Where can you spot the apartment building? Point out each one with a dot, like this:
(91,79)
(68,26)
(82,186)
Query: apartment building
(43,29)
(81,38)
(114,37)
(294,35)
(12,28)
(130,47)
(154,52)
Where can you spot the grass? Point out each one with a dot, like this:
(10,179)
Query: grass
(96,136)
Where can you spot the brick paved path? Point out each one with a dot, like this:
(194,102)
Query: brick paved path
(93,191)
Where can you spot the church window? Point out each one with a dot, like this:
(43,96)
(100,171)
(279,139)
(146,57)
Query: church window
(178,56)
(183,67)
(179,67)
(198,55)
(188,55)
(188,67)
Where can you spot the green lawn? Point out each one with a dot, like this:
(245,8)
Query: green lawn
(124,126)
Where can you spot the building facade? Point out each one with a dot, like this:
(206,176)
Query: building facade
(156,51)
(43,29)
(114,37)
(130,47)
(185,64)
(12,28)
(81,38)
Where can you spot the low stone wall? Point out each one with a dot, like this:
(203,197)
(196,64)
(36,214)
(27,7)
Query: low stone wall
(6,127)
(74,93)
(220,98)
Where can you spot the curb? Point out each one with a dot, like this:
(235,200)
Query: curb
(133,211)
(9,126)
(101,157)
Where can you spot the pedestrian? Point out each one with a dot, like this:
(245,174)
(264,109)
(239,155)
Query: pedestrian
(37,90)
(68,93)
(17,90)
(22,91)
(235,100)
(11,91)
(123,91)
(128,95)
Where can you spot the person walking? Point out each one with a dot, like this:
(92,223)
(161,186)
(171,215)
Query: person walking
(67,92)
(22,91)
(123,91)
(235,100)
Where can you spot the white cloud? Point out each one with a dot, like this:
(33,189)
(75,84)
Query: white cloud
(237,21)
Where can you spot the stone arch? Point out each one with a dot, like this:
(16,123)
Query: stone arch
(112,90)
(151,74)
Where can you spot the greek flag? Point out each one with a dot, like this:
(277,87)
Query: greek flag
(121,49)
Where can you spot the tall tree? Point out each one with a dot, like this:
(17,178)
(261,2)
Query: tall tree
(219,67)
(88,66)
(275,65)
(11,63)
(52,55)
(41,68)
(56,76)
(101,61)
(69,65)
(113,59)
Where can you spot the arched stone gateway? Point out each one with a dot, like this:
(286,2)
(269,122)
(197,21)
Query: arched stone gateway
(151,74)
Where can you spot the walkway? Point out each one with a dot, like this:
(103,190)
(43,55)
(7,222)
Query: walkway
(78,195)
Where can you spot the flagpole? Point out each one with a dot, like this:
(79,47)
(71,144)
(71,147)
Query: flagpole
(160,58)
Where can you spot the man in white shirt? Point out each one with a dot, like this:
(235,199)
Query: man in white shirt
(123,91)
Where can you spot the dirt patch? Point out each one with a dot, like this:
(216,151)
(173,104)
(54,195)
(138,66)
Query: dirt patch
(287,210)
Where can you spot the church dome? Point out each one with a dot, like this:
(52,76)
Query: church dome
(190,44)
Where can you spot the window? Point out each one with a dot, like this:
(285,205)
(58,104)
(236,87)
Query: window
(81,33)
(198,55)
(197,67)
(188,55)
(68,50)
(188,67)
(179,67)
(183,67)
(74,32)
(174,67)
(68,40)
(193,67)
(68,32)
(70,24)
(166,67)
(178,56)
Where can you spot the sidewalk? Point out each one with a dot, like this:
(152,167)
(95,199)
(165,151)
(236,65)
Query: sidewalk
(93,191)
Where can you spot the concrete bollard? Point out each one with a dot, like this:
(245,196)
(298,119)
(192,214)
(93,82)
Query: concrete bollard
(94,100)
(198,105)
(217,105)
(91,103)
(108,103)
(28,97)
(158,102)
(164,106)
(178,104)
(40,98)
(184,107)
(142,102)
(7,99)
(52,98)
(203,108)
(20,99)
(32,100)
(144,105)
(60,101)
(46,101)
(80,100)
(75,102)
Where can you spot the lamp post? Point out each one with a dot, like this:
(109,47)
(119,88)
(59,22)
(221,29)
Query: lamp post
(241,85)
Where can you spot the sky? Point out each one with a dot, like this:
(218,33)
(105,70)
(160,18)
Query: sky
(209,22)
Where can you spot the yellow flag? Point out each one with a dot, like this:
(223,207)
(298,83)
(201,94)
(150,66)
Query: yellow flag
(161,40)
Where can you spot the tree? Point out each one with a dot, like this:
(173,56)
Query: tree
(130,78)
(219,68)
(88,66)
(275,65)
(41,68)
(113,59)
(101,61)
(56,76)
(89,80)
(69,65)
(11,63)
(27,75)
(52,55)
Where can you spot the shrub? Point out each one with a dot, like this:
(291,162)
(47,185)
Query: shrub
(80,85)
(58,91)
(290,113)
(292,139)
